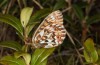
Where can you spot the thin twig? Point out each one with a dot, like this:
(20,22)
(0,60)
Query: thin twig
(69,5)
(70,37)
(19,3)
(24,2)
(81,61)
(38,4)
(82,48)
(9,5)
(66,9)
(84,30)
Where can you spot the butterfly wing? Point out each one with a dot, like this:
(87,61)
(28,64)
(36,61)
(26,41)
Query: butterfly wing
(51,31)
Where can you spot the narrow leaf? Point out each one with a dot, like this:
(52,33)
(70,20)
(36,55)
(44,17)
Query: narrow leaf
(26,56)
(12,60)
(44,62)
(40,55)
(25,15)
(60,4)
(30,27)
(11,44)
(93,19)
(2,2)
(13,21)
(78,11)
(4,62)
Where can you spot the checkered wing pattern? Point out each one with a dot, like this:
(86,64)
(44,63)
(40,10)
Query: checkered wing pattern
(51,31)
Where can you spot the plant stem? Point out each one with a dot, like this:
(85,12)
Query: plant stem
(84,31)
(19,3)
(38,4)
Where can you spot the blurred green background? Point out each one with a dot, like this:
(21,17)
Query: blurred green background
(81,20)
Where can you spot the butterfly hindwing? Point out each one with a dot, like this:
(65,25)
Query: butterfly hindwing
(51,31)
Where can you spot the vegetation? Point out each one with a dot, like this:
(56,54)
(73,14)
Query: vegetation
(19,18)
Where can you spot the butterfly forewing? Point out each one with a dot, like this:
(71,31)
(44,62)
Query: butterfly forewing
(51,31)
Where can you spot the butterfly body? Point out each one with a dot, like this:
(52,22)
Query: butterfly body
(51,31)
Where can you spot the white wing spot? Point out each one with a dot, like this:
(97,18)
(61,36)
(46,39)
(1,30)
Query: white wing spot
(41,33)
(52,17)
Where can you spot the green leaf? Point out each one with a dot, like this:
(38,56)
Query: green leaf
(11,44)
(93,19)
(30,27)
(78,11)
(2,2)
(44,62)
(40,55)
(7,63)
(25,15)
(26,56)
(13,21)
(60,4)
(90,52)
(39,14)
(10,60)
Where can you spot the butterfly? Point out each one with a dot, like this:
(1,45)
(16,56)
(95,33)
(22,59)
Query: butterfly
(51,32)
